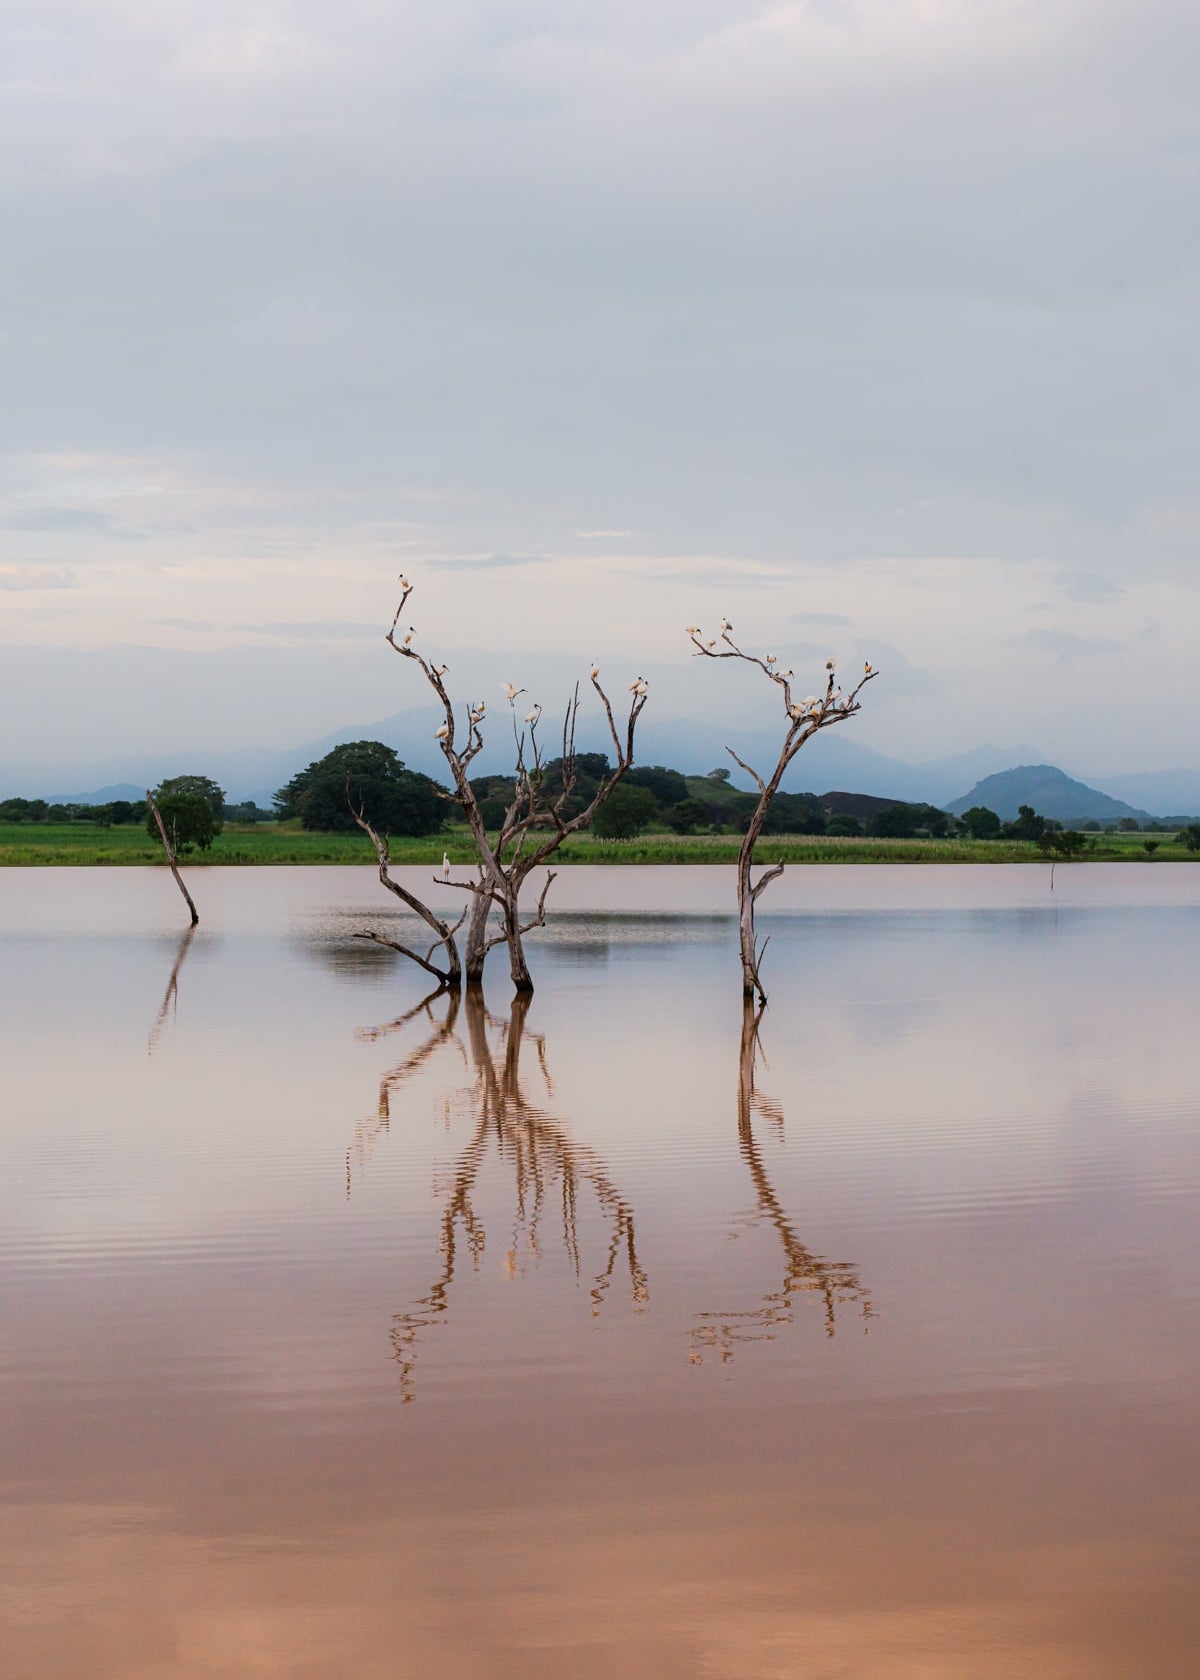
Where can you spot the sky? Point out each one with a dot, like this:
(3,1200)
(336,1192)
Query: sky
(869,324)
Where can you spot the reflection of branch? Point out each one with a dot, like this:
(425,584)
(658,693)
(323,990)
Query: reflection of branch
(548,1168)
(171,995)
(803,1272)
(365,1133)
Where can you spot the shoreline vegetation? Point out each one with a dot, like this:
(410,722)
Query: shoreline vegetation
(80,844)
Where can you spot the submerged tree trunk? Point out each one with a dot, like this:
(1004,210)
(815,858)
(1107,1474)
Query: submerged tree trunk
(517,966)
(171,857)
(477,940)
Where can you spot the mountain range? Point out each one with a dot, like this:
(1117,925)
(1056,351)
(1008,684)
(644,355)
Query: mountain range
(830,760)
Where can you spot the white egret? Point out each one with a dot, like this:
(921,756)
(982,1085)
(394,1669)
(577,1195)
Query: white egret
(446,864)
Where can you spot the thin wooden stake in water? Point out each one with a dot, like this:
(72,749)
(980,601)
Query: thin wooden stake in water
(171,858)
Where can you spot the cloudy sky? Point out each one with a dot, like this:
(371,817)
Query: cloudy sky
(870,323)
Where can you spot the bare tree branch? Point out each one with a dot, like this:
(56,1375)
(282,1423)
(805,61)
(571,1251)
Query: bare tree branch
(804,719)
(538,818)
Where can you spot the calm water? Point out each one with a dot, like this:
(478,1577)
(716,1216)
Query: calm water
(345,1337)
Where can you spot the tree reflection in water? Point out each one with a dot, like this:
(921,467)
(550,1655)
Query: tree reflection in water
(550,1170)
(804,1272)
(170,1000)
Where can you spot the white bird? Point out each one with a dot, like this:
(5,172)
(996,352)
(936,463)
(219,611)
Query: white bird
(595,672)
(811,700)
(726,627)
(691,630)
(511,691)
(409,637)
(446,864)
(440,670)
(867,669)
(441,732)
(797,712)
(711,644)
(771,659)
(534,715)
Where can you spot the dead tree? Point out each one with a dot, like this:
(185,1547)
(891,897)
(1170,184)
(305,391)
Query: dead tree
(834,1282)
(536,821)
(550,1171)
(449,977)
(172,856)
(804,718)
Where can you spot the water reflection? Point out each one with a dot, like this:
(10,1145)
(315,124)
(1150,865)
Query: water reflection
(804,1272)
(550,1171)
(170,1002)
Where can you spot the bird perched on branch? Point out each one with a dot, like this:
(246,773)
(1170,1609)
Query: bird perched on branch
(532,717)
(511,691)
(446,864)
(441,732)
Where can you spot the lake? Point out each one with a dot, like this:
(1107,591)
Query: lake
(622,1336)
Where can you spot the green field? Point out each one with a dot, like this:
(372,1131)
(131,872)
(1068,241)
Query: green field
(80,843)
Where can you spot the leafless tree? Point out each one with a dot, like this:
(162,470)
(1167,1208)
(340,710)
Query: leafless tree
(803,719)
(550,1170)
(834,1282)
(172,857)
(451,974)
(537,819)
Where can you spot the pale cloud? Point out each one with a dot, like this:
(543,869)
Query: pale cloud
(872,317)
(1065,645)
(23,579)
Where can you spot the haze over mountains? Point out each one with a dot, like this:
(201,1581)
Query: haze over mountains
(831,760)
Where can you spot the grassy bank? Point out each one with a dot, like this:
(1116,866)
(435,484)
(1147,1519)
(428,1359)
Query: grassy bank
(269,843)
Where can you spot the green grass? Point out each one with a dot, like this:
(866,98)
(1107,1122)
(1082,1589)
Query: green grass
(272,843)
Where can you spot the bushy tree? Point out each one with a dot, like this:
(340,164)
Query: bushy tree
(1028,826)
(844,826)
(203,785)
(980,824)
(624,813)
(1190,837)
(363,776)
(897,822)
(188,819)
(688,816)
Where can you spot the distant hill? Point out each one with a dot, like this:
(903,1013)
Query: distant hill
(1165,792)
(101,795)
(1050,791)
(859,805)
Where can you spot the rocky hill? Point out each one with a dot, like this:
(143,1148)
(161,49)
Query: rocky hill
(1050,791)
